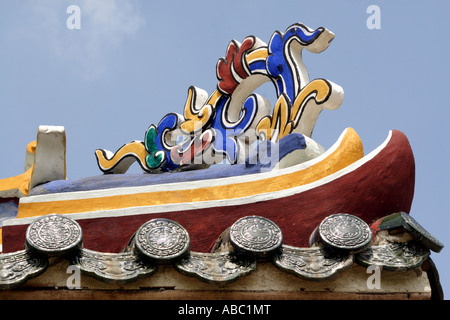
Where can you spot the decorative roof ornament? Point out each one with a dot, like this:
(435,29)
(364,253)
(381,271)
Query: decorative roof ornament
(282,197)
(227,124)
(262,239)
(17,267)
(120,268)
(395,256)
(313,263)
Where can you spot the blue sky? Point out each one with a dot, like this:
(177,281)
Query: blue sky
(132,62)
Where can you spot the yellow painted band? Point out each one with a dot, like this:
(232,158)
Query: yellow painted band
(349,151)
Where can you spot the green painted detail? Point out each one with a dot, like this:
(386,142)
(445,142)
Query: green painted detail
(155,158)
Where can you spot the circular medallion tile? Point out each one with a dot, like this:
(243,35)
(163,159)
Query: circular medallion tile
(345,232)
(54,234)
(256,235)
(162,239)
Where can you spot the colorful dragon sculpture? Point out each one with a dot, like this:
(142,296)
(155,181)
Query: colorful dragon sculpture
(231,122)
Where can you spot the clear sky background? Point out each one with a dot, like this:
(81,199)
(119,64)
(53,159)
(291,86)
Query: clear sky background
(132,62)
